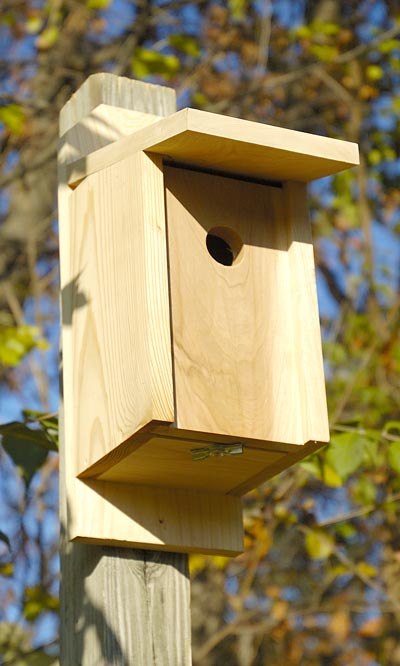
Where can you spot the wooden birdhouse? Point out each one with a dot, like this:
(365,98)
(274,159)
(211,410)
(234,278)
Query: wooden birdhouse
(192,355)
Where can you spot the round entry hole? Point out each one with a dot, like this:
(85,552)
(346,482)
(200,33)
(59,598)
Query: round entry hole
(224,245)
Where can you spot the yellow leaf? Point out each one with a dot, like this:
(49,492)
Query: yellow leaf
(374,72)
(324,52)
(319,544)
(331,477)
(33,25)
(13,117)
(366,569)
(48,38)
(97,4)
(196,563)
(374,156)
(7,569)
(219,561)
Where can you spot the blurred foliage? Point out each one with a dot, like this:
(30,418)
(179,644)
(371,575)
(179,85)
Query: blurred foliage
(17,341)
(318,583)
(28,447)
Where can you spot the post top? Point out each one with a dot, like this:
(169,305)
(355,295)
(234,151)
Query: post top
(241,147)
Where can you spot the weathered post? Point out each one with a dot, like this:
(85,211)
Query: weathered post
(119,607)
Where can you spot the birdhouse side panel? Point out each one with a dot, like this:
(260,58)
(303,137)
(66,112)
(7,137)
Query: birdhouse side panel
(120,308)
(314,410)
(234,342)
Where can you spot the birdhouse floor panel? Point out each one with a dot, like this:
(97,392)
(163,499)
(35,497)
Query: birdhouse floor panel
(168,462)
(162,456)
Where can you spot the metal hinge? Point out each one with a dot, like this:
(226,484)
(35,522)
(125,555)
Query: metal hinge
(217,450)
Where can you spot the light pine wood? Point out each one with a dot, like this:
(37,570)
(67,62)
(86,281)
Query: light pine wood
(118,606)
(237,329)
(117,353)
(168,462)
(165,519)
(120,347)
(160,455)
(229,144)
(119,92)
(102,126)
(303,294)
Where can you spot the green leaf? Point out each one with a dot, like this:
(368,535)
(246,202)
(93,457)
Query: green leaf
(47,422)
(312,465)
(331,477)
(185,43)
(345,453)
(335,352)
(13,117)
(20,431)
(372,454)
(147,62)
(394,456)
(319,544)
(391,426)
(365,491)
(27,448)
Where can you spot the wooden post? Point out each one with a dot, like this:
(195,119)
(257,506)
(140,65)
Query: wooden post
(119,607)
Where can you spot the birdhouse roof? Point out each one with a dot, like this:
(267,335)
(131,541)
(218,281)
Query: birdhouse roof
(221,143)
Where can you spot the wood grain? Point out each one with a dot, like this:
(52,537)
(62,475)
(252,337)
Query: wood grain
(119,92)
(125,607)
(168,462)
(121,358)
(237,329)
(303,293)
(118,606)
(168,519)
(229,144)
(100,127)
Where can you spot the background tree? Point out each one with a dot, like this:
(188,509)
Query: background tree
(318,583)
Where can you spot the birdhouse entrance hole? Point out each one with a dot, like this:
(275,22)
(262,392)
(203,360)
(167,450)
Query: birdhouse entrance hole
(224,245)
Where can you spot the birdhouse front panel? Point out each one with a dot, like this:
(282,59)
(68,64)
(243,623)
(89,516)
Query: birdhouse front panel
(236,326)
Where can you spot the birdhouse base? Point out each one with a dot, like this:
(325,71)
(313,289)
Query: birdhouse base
(149,492)
(162,455)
